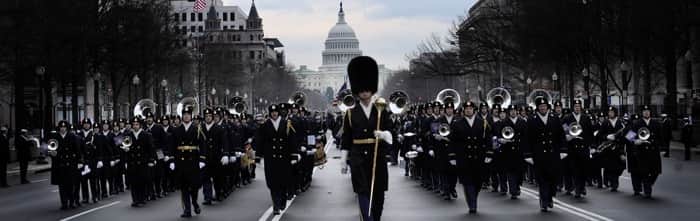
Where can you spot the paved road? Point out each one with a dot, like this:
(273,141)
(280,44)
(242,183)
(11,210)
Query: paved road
(677,197)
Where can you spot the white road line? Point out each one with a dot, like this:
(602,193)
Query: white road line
(54,191)
(90,210)
(37,181)
(563,204)
(268,212)
(626,177)
(563,208)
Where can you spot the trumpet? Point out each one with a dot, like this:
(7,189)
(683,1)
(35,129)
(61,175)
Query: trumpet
(508,132)
(52,145)
(126,143)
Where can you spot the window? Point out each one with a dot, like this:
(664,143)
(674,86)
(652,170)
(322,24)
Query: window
(184,16)
(192,16)
(251,37)
(176,17)
(184,29)
(233,16)
(240,27)
(200,29)
(225,27)
(252,55)
(200,16)
(224,16)
(193,28)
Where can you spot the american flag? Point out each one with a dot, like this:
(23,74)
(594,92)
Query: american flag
(199,5)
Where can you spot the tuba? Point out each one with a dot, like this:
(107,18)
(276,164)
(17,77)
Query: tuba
(530,100)
(347,101)
(237,105)
(449,96)
(398,102)
(298,98)
(187,103)
(52,145)
(499,96)
(508,132)
(143,106)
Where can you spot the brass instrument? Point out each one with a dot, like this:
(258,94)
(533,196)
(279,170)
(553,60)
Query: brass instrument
(530,100)
(449,96)
(298,98)
(187,103)
(143,106)
(52,145)
(347,100)
(398,102)
(508,132)
(444,130)
(575,129)
(644,134)
(499,96)
(237,105)
(126,143)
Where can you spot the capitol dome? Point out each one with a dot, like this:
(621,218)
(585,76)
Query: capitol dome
(341,45)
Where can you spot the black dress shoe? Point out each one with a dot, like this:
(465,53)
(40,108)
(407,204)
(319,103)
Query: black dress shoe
(577,196)
(186,215)
(543,209)
(276,212)
(472,211)
(197,210)
(637,194)
(207,203)
(513,197)
(72,206)
(453,195)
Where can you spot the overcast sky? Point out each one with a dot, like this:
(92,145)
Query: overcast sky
(387,29)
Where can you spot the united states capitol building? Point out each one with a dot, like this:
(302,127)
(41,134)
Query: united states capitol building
(341,46)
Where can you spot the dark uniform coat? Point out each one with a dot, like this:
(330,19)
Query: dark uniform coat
(468,148)
(276,146)
(139,155)
(511,154)
(64,166)
(646,157)
(187,170)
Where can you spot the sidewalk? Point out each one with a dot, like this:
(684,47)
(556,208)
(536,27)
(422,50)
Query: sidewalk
(32,168)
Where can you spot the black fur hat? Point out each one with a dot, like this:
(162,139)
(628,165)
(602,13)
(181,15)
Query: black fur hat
(363,74)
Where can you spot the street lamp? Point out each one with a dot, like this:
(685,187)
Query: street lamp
(529,86)
(213,96)
(586,77)
(624,69)
(40,71)
(555,79)
(134,81)
(227,93)
(164,86)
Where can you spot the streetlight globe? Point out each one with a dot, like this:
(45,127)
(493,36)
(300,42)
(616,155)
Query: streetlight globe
(40,70)
(135,80)
(228,92)
(237,94)
(213,91)
(164,83)
(555,77)
(584,72)
(529,80)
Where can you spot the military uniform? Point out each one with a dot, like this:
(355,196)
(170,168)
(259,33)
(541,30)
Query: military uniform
(511,152)
(217,155)
(611,157)
(190,153)
(645,159)
(65,170)
(467,152)
(139,158)
(579,152)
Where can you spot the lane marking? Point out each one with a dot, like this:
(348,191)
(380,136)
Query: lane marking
(54,191)
(562,208)
(268,212)
(38,181)
(563,204)
(89,211)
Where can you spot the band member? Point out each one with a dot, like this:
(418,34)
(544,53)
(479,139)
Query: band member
(66,163)
(448,172)
(86,138)
(190,156)
(166,147)
(612,151)
(139,158)
(366,133)
(645,159)
(275,144)
(579,147)
(468,153)
(510,149)
(596,177)
(104,143)
(154,188)
(217,157)
(545,149)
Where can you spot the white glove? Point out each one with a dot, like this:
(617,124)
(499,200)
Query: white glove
(592,151)
(431,153)
(117,161)
(224,160)
(80,166)
(303,148)
(294,162)
(201,165)
(638,142)
(166,158)
(504,141)
(52,153)
(99,164)
(569,137)
(440,137)
(310,152)
(150,164)
(239,154)
(530,161)
(611,137)
(232,159)
(562,155)
(172,166)
(453,162)
(413,147)
(126,166)
(344,162)
(126,149)
(112,163)
(623,157)
(85,171)
(487,160)
(420,149)
(384,135)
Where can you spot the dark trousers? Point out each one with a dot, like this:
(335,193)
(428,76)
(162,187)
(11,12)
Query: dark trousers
(189,197)
(547,183)
(95,189)
(377,206)
(449,182)
(612,177)
(514,179)
(23,164)
(643,182)
(138,191)
(65,194)
(104,180)
(82,188)
(279,198)
(472,185)
(3,173)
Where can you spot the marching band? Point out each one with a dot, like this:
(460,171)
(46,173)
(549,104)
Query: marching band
(494,144)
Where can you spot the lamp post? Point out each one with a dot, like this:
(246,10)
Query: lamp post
(135,81)
(40,71)
(624,69)
(213,96)
(97,78)
(227,93)
(586,79)
(164,87)
(555,81)
(529,87)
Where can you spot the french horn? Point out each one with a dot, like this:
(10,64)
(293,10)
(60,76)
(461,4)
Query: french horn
(126,143)
(575,129)
(444,130)
(52,145)
(644,133)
